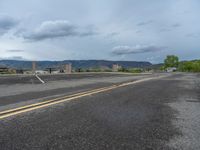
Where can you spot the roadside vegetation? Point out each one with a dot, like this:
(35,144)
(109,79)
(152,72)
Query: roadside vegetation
(121,69)
(95,69)
(130,70)
(190,66)
(183,66)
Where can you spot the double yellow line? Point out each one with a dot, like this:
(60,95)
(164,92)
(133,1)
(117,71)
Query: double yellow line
(27,108)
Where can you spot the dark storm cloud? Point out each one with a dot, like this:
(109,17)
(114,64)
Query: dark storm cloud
(7,23)
(124,50)
(57,29)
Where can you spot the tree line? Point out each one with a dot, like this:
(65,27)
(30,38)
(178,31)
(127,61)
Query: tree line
(183,66)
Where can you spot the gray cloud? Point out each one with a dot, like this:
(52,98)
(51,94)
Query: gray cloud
(7,23)
(170,28)
(112,34)
(12,58)
(87,31)
(145,23)
(57,29)
(176,25)
(14,50)
(138,31)
(193,35)
(124,50)
(142,21)
(165,30)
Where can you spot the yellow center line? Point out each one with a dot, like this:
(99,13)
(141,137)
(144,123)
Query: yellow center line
(48,101)
(19,111)
(27,108)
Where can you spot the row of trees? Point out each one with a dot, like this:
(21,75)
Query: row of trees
(190,66)
(130,70)
(184,66)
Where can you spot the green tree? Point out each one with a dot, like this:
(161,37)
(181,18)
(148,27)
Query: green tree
(171,61)
(190,66)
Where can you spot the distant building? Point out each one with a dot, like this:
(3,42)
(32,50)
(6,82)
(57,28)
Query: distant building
(115,67)
(27,72)
(3,69)
(68,68)
(55,72)
(41,72)
(171,69)
(6,70)
(19,71)
(52,70)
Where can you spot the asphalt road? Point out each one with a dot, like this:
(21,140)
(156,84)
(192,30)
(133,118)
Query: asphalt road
(31,79)
(18,90)
(159,114)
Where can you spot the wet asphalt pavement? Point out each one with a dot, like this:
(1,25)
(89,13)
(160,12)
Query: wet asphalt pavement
(157,114)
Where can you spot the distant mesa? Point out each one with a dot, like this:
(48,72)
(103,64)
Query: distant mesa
(20,64)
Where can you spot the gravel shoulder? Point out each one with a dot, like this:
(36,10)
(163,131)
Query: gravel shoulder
(187,118)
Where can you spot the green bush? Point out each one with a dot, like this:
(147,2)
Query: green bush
(190,66)
(130,70)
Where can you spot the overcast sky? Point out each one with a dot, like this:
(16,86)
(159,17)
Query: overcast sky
(138,30)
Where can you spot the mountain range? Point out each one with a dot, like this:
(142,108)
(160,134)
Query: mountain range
(21,64)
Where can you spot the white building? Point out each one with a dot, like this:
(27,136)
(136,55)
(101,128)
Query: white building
(41,72)
(171,69)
